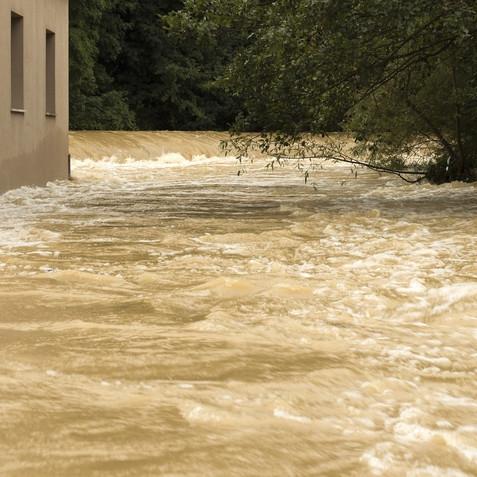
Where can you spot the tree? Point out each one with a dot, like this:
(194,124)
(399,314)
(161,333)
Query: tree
(169,70)
(201,47)
(208,35)
(95,36)
(133,66)
(398,75)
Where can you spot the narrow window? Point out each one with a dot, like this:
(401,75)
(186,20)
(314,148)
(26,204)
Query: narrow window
(50,74)
(17,100)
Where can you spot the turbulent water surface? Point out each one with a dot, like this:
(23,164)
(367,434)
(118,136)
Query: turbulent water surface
(161,316)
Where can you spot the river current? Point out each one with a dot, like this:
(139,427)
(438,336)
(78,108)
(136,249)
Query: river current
(162,316)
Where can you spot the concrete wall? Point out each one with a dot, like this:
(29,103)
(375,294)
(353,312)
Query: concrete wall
(33,145)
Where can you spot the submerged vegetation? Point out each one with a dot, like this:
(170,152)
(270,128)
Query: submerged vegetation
(400,77)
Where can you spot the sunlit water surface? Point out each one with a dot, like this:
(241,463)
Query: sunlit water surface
(163,316)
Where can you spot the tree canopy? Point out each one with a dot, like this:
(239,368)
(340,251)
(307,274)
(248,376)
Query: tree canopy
(131,70)
(96,35)
(399,76)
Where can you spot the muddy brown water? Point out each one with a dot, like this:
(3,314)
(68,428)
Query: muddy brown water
(161,316)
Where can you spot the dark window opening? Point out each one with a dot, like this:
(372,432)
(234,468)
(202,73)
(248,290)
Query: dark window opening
(50,74)
(17,73)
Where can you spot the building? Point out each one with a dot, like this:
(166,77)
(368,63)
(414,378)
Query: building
(33,92)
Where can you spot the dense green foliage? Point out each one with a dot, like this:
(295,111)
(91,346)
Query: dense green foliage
(96,34)
(130,70)
(399,75)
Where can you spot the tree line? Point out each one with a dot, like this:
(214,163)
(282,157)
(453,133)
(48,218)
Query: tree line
(129,70)
(399,76)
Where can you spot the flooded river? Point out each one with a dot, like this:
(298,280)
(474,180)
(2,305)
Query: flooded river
(161,316)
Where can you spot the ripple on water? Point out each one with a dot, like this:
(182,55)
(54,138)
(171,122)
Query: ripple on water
(164,311)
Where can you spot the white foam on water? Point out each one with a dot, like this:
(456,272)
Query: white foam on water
(447,296)
(166,161)
(204,414)
(283,414)
(379,459)
(443,424)
(416,287)
(471,429)
(452,401)
(342,310)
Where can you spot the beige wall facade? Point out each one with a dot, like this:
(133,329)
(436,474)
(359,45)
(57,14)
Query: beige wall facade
(33,140)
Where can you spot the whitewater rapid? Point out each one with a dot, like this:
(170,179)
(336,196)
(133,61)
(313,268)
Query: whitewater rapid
(161,315)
